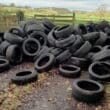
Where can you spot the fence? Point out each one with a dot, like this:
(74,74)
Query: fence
(58,19)
(7,22)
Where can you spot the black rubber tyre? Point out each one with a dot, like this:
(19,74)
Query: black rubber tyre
(56,51)
(46,29)
(83,28)
(63,56)
(14,54)
(70,71)
(40,36)
(99,71)
(83,50)
(1,37)
(51,38)
(12,38)
(44,50)
(107,31)
(3,47)
(45,62)
(24,77)
(91,37)
(18,31)
(34,27)
(77,30)
(65,42)
(47,23)
(4,64)
(28,23)
(81,62)
(64,31)
(90,28)
(102,55)
(106,47)
(102,39)
(76,45)
(88,91)
(31,47)
(93,51)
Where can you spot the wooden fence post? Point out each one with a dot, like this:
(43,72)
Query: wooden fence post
(54,18)
(73,18)
(35,16)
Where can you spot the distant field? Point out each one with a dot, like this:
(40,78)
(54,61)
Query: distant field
(80,17)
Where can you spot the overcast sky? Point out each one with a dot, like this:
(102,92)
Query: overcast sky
(83,5)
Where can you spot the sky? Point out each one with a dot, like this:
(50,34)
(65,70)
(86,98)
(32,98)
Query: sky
(83,5)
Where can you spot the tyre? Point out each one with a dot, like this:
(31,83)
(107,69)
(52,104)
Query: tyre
(13,39)
(91,37)
(3,47)
(101,40)
(65,42)
(14,54)
(4,64)
(65,55)
(93,51)
(28,23)
(106,47)
(64,31)
(83,50)
(80,62)
(24,77)
(99,71)
(88,91)
(107,31)
(83,28)
(18,31)
(31,47)
(102,55)
(56,51)
(34,27)
(1,37)
(47,23)
(76,45)
(77,30)
(45,62)
(44,50)
(51,38)
(40,36)
(70,71)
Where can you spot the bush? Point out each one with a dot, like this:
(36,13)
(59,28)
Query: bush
(20,15)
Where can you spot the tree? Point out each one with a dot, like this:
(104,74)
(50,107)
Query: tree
(12,4)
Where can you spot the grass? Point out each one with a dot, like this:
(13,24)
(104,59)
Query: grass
(80,17)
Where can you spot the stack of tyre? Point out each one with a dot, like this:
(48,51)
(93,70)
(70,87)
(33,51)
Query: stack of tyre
(70,48)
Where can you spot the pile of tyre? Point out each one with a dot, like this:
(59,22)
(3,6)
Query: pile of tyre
(70,48)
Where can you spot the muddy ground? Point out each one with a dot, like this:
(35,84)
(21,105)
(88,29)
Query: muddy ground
(50,92)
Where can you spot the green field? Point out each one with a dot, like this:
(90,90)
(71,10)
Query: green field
(80,17)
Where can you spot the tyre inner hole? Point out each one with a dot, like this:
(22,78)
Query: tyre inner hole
(101,70)
(31,47)
(2,61)
(83,29)
(23,73)
(63,27)
(88,85)
(95,49)
(69,68)
(43,61)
